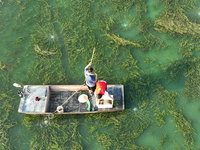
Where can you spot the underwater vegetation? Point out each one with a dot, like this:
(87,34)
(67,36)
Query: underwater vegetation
(177,22)
(174,21)
(2,66)
(54,134)
(50,42)
(163,140)
(5,122)
(121,41)
(188,47)
(192,86)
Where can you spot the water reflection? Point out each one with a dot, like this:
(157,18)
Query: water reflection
(125,25)
(44,122)
(135,109)
(52,36)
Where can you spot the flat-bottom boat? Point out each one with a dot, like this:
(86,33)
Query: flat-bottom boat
(48,99)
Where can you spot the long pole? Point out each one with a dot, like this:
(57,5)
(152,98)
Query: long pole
(91,60)
(93,54)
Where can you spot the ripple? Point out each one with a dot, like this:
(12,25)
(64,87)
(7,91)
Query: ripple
(125,25)
(52,36)
(45,122)
(135,109)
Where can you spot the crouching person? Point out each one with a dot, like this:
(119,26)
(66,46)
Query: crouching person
(100,92)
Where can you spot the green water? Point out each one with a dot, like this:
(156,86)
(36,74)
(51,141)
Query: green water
(141,44)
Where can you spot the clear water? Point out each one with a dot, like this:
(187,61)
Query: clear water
(66,33)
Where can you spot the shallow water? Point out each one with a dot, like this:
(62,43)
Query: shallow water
(50,42)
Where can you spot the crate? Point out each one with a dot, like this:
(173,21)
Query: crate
(106,102)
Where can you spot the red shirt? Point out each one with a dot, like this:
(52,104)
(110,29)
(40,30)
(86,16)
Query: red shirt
(100,87)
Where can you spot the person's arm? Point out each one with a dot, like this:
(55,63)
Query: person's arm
(95,77)
(96,97)
(107,94)
(110,97)
(88,65)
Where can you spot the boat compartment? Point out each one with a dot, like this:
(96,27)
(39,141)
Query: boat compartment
(106,102)
(57,98)
(29,103)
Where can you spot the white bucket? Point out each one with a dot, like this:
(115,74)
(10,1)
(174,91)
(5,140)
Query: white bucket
(60,109)
(82,98)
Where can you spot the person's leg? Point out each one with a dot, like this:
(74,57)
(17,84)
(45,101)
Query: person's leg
(90,90)
(93,88)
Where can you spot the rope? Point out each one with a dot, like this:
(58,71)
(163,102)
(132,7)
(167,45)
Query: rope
(70,97)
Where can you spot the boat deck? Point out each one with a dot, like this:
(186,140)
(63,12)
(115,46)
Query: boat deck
(57,98)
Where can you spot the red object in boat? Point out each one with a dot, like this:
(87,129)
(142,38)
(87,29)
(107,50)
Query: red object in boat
(37,98)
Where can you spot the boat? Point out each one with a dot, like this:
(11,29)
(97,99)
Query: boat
(68,99)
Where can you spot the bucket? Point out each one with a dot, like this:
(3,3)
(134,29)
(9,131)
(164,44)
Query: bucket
(60,109)
(82,98)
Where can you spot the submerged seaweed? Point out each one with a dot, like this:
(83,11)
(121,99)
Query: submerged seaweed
(176,22)
(2,66)
(54,42)
(121,41)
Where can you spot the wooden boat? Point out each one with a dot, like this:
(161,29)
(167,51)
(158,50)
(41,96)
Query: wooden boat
(50,97)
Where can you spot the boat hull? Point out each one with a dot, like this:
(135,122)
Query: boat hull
(52,96)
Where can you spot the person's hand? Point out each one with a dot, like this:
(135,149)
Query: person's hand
(90,63)
(111,97)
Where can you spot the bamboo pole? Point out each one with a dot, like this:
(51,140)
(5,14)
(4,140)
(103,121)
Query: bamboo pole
(91,60)
(93,54)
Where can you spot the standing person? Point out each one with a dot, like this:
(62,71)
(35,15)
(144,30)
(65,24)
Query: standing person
(100,92)
(90,79)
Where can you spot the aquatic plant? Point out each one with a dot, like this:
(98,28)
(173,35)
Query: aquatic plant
(45,40)
(42,52)
(6,120)
(183,125)
(61,36)
(46,72)
(188,48)
(175,69)
(115,122)
(60,133)
(176,22)
(143,22)
(20,40)
(122,41)
(2,66)
(163,140)
(105,140)
(192,83)
(151,42)
(160,117)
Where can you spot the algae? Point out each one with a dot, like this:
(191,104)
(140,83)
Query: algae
(177,23)
(2,66)
(122,41)
(48,32)
(163,140)
(42,52)
(192,84)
